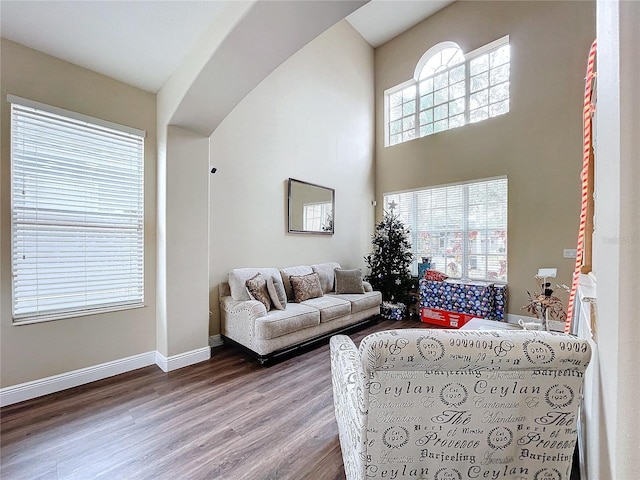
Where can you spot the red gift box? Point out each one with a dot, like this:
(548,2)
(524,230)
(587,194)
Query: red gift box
(445,318)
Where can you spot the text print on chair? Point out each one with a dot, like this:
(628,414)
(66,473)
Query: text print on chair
(458,404)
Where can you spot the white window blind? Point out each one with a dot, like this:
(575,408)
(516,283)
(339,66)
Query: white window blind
(77,214)
(462,228)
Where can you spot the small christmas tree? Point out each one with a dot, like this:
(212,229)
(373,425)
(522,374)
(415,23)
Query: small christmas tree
(390,261)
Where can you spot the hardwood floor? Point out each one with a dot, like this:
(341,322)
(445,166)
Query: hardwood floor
(227,418)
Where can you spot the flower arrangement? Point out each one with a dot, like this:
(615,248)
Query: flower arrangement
(544,304)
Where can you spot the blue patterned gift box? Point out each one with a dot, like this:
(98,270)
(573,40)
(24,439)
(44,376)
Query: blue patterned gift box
(393,311)
(481,299)
(500,302)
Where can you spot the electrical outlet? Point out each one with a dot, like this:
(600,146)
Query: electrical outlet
(569,253)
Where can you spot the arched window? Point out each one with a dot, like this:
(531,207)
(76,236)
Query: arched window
(438,58)
(449,89)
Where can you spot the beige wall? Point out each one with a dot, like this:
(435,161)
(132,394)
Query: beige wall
(312,120)
(187,216)
(182,301)
(538,144)
(31,352)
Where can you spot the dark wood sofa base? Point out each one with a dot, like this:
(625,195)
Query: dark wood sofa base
(292,350)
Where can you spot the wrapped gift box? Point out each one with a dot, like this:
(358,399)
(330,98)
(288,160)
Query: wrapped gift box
(500,303)
(444,318)
(393,311)
(479,299)
(422,268)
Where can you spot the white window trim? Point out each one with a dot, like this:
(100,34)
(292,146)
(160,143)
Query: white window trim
(98,309)
(427,55)
(25,102)
(488,47)
(416,76)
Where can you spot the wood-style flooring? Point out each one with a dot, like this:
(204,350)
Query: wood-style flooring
(227,418)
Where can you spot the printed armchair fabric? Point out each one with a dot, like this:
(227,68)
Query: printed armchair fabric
(453,404)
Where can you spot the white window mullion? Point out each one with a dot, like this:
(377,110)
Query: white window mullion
(465,232)
(413,225)
(416,114)
(467,93)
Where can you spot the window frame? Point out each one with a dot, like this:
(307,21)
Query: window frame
(25,110)
(416,80)
(466,228)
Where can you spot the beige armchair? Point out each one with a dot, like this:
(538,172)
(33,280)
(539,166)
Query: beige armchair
(453,404)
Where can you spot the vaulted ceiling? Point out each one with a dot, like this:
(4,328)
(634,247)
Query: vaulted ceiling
(240,42)
(143,42)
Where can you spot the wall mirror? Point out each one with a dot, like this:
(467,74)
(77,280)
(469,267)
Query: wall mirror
(311,208)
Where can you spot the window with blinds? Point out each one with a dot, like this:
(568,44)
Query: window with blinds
(77,214)
(461,227)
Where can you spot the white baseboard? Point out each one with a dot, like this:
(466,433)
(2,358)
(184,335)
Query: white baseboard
(215,341)
(185,359)
(512,318)
(57,383)
(75,378)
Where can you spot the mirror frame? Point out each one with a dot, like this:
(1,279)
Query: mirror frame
(291,203)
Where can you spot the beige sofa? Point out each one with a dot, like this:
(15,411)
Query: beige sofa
(272,333)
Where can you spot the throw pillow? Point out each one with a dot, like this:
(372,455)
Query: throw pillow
(326,283)
(277,294)
(305,287)
(435,276)
(349,281)
(286,273)
(325,272)
(257,288)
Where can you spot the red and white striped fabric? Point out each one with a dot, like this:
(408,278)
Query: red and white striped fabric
(586,151)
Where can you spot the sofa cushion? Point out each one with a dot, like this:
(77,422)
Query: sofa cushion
(325,272)
(257,287)
(361,302)
(330,307)
(239,276)
(277,293)
(285,273)
(281,322)
(349,281)
(305,287)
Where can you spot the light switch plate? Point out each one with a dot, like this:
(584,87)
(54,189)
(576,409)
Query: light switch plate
(547,272)
(569,253)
